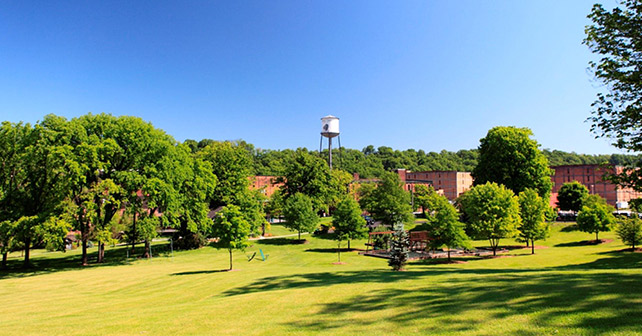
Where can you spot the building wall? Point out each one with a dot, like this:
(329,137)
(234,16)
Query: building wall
(265,183)
(591,176)
(451,183)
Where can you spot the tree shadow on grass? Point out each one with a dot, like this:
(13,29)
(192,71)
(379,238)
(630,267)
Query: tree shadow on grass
(201,272)
(43,264)
(570,228)
(331,250)
(280,241)
(600,303)
(593,297)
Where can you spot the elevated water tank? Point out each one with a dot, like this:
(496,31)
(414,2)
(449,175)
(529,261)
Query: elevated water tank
(330,126)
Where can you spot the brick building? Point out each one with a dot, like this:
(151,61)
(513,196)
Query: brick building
(591,176)
(452,183)
(266,184)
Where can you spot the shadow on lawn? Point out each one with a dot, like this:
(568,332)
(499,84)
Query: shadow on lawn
(599,302)
(201,272)
(331,250)
(280,241)
(41,264)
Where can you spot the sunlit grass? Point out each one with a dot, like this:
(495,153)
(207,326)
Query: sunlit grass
(565,288)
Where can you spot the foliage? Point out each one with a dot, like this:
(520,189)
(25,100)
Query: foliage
(615,36)
(425,197)
(595,215)
(299,214)
(232,229)
(630,231)
(309,175)
(7,236)
(444,226)
(571,195)
(508,156)
(388,202)
(491,212)
(532,211)
(347,220)
(399,248)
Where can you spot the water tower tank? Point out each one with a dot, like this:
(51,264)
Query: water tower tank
(330,126)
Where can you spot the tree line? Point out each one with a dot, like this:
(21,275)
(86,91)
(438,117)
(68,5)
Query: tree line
(371,162)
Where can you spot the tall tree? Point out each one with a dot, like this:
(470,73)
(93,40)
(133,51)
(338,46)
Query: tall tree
(630,231)
(595,216)
(232,165)
(231,229)
(39,173)
(299,213)
(307,174)
(571,195)
(508,156)
(347,220)
(388,202)
(532,210)
(615,37)
(491,212)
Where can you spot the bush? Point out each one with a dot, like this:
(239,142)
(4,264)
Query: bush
(630,231)
(189,241)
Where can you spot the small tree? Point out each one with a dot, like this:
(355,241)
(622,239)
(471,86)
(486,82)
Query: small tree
(232,229)
(491,211)
(399,248)
(630,231)
(389,202)
(445,227)
(347,221)
(595,216)
(571,195)
(425,197)
(299,214)
(532,210)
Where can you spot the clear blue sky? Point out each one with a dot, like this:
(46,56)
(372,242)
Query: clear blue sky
(427,75)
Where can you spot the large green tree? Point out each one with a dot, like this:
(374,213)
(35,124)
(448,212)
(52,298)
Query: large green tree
(388,202)
(38,169)
(614,36)
(571,195)
(595,216)
(307,174)
(630,231)
(532,211)
(491,212)
(508,156)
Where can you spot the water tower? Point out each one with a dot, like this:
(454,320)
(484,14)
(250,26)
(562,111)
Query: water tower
(330,129)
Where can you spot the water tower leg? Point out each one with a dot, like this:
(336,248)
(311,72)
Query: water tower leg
(330,151)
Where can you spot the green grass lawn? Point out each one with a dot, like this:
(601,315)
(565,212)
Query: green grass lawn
(566,288)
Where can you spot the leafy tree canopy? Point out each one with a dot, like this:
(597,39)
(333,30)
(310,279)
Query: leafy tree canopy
(571,195)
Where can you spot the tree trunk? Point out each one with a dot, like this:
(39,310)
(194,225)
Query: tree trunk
(596,239)
(84,252)
(230,250)
(133,235)
(348,244)
(299,234)
(448,253)
(532,246)
(101,252)
(146,253)
(4,260)
(27,242)
(526,242)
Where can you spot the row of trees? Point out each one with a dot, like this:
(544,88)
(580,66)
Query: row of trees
(104,176)
(371,162)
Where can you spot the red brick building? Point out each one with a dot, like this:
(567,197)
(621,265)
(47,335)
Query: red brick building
(591,176)
(266,184)
(451,183)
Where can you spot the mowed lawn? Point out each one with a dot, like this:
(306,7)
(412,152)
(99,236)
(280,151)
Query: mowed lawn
(566,289)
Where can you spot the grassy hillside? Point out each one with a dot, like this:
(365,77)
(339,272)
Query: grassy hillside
(566,288)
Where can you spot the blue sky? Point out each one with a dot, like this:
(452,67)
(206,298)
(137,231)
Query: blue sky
(427,75)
